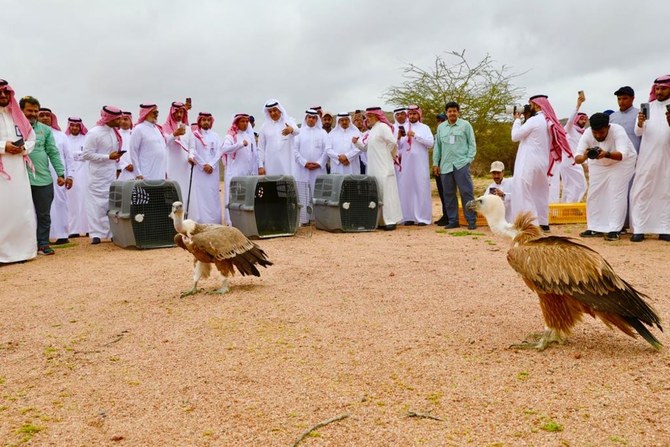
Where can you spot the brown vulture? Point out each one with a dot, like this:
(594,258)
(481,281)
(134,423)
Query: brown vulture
(571,280)
(225,247)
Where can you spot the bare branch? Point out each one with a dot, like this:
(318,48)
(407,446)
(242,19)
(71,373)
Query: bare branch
(319,425)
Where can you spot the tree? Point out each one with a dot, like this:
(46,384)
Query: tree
(482,91)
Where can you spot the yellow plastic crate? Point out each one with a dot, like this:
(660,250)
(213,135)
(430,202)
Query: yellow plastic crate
(567,213)
(481,220)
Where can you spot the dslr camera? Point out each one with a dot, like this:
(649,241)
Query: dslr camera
(593,152)
(516,108)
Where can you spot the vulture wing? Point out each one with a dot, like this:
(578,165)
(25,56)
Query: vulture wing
(228,247)
(563,267)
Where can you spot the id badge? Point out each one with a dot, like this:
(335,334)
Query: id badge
(18,131)
(452,139)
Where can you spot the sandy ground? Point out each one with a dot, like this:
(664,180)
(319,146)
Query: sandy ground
(97,349)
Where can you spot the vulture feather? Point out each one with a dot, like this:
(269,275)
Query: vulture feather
(570,279)
(224,247)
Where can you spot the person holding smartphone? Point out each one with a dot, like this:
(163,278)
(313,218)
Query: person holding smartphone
(650,193)
(502,187)
(17,140)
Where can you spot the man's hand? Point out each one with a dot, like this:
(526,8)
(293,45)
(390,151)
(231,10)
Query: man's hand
(411,134)
(312,165)
(261,171)
(11,149)
(245,143)
(641,119)
(208,169)
(667,117)
(436,171)
(60,181)
(115,155)
(288,130)
(68,183)
(191,161)
(179,131)
(129,168)
(354,140)
(343,159)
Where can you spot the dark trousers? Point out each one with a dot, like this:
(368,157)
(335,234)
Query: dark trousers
(461,179)
(42,198)
(440,192)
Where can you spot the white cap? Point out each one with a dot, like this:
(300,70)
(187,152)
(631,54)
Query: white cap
(497,166)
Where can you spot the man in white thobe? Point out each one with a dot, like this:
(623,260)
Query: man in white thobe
(240,155)
(310,150)
(611,157)
(275,141)
(568,175)
(344,156)
(60,216)
(381,148)
(180,142)
(148,145)
(19,225)
(542,141)
(650,193)
(125,169)
(102,149)
(400,125)
(205,202)
(414,183)
(502,187)
(78,218)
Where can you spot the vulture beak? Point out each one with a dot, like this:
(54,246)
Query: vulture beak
(472,205)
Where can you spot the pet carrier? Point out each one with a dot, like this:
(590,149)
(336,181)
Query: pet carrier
(347,203)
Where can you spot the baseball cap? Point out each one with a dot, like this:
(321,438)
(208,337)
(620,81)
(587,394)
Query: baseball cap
(625,91)
(497,166)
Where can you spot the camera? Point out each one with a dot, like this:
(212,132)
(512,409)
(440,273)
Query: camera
(592,152)
(644,108)
(516,108)
(492,190)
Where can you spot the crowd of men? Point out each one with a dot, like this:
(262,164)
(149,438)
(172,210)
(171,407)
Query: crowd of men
(55,184)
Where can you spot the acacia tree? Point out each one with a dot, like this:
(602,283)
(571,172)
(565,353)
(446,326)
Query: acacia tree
(482,91)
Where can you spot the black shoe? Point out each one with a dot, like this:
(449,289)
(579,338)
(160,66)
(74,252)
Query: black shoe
(408,222)
(442,221)
(95,241)
(590,233)
(472,226)
(451,225)
(74,235)
(389,227)
(61,241)
(545,228)
(664,237)
(612,236)
(422,224)
(637,237)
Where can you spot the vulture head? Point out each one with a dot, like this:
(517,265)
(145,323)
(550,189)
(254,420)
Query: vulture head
(492,208)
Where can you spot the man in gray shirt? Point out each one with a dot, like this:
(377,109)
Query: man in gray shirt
(626,116)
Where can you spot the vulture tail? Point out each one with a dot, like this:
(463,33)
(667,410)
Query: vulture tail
(643,331)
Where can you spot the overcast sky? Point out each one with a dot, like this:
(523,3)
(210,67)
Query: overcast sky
(78,55)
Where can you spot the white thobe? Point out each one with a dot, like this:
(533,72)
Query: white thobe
(147,151)
(341,144)
(125,160)
(178,167)
(567,173)
(380,146)
(650,193)
(275,151)
(505,186)
(100,142)
(531,185)
(60,215)
(205,206)
(78,221)
(402,143)
(19,225)
(414,181)
(240,160)
(310,146)
(607,203)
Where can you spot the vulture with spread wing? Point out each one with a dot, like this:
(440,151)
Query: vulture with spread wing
(571,280)
(225,247)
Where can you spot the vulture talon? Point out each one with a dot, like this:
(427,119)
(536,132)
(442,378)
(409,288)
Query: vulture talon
(190,292)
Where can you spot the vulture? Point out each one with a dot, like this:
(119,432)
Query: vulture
(225,247)
(570,279)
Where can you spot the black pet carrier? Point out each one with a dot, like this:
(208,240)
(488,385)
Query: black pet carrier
(347,203)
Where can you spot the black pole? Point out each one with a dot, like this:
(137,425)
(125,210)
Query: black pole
(188,197)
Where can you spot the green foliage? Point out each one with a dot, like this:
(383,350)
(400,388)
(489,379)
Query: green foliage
(482,91)
(551,426)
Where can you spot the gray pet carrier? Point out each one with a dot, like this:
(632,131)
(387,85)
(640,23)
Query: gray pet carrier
(264,206)
(139,212)
(347,203)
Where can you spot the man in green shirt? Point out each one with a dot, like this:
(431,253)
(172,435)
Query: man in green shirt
(41,183)
(454,150)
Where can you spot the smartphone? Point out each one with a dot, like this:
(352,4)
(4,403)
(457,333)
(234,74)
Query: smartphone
(401,130)
(644,108)
(19,142)
(667,107)
(188,101)
(492,190)
(581,95)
